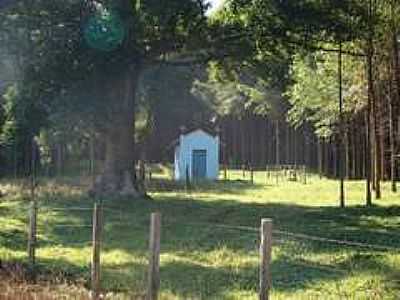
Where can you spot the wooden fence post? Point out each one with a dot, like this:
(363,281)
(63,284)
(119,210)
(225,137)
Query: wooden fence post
(32,233)
(265,258)
(154,260)
(96,244)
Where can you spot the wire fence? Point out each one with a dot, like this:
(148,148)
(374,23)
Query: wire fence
(59,231)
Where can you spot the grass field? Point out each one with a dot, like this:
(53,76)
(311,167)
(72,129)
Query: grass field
(200,258)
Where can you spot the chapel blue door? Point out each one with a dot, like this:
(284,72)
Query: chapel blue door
(199,163)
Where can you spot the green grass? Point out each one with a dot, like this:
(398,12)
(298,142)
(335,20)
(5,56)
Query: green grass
(201,260)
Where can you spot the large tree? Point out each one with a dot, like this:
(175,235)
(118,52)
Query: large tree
(87,57)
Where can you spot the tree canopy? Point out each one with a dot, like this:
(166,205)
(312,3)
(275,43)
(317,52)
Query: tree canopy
(82,64)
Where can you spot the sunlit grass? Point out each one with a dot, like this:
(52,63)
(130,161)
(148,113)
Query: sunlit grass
(200,260)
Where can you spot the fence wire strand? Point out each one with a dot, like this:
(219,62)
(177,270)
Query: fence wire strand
(302,236)
(298,236)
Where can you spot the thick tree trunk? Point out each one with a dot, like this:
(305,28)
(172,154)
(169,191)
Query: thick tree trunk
(118,176)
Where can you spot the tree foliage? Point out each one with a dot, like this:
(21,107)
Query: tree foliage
(313,95)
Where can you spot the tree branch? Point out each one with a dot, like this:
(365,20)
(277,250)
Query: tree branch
(312,45)
(190,61)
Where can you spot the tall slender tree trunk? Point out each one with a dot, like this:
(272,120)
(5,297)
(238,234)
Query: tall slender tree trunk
(306,149)
(382,135)
(320,158)
(373,154)
(354,164)
(377,147)
(271,143)
(262,144)
(370,53)
(15,154)
(277,143)
(392,138)
(60,158)
(335,160)
(395,97)
(267,142)
(253,148)
(347,160)
(363,144)
(326,157)
(396,60)
(236,142)
(340,155)
(295,147)
(243,142)
(367,152)
(92,158)
(287,143)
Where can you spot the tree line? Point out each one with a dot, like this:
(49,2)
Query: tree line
(320,79)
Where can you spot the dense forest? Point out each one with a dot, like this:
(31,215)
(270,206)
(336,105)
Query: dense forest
(102,85)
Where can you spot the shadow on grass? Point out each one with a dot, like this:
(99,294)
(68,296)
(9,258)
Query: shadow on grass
(188,227)
(217,187)
(190,233)
(13,239)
